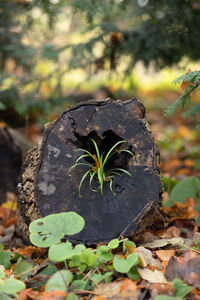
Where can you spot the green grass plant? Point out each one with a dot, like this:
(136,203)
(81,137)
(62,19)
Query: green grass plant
(97,169)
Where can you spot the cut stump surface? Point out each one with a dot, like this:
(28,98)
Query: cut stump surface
(47,188)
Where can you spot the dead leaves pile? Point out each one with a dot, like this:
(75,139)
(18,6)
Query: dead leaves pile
(165,254)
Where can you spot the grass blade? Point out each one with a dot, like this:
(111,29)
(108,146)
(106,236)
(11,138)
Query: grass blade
(91,178)
(81,182)
(110,151)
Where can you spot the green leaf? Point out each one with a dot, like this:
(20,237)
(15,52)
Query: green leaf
(181,289)
(104,254)
(113,244)
(23,269)
(60,252)
(79,249)
(59,281)
(133,274)
(100,277)
(186,188)
(2,274)
(168,183)
(49,270)
(12,286)
(5,257)
(2,106)
(165,297)
(123,265)
(129,246)
(78,285)
(49,230)
(88,257)
(5,297)
(72,296)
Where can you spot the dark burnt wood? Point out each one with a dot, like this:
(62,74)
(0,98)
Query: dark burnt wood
(47,188)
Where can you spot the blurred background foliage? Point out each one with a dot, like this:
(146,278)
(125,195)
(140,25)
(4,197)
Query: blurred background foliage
(54,53)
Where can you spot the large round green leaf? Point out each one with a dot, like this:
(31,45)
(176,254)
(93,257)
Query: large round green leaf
(49,230)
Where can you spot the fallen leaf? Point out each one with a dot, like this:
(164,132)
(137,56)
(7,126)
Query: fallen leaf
(28,294)
(165,255)
(128,284)
(171,232)
(161,289)
(152,276)
(188,271)
(12,205)
(53,295)
(30,251)
(159,243)
(122,290)
(146,258)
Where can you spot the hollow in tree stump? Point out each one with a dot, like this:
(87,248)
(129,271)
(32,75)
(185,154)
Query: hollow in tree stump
(47,188)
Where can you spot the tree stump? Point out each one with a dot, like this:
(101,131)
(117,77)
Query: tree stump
(10,163)
(47,188)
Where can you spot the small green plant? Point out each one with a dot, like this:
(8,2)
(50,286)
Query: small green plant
(97,169)
(49,230)
(83,267)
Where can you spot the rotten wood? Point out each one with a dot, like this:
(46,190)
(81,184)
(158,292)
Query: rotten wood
(47,188)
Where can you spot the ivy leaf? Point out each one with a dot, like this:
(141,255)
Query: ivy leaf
(11,286)
(59,281)
(123,265)
(113,244)
(61,252)
(49,230)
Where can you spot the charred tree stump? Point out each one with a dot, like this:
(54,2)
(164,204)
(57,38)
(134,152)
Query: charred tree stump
(47,188)
(10,163)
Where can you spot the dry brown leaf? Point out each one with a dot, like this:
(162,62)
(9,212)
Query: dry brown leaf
(165,255)
(186,270)
(28,251)
(159,243)
(122,290)
(155,276)
(28,294)
(53,295)
(146,258)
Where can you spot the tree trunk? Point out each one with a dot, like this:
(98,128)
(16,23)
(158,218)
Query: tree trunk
(47,188)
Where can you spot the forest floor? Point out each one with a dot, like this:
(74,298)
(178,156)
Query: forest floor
(169,249)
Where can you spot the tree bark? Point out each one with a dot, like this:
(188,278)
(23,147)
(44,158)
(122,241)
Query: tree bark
(47,188)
